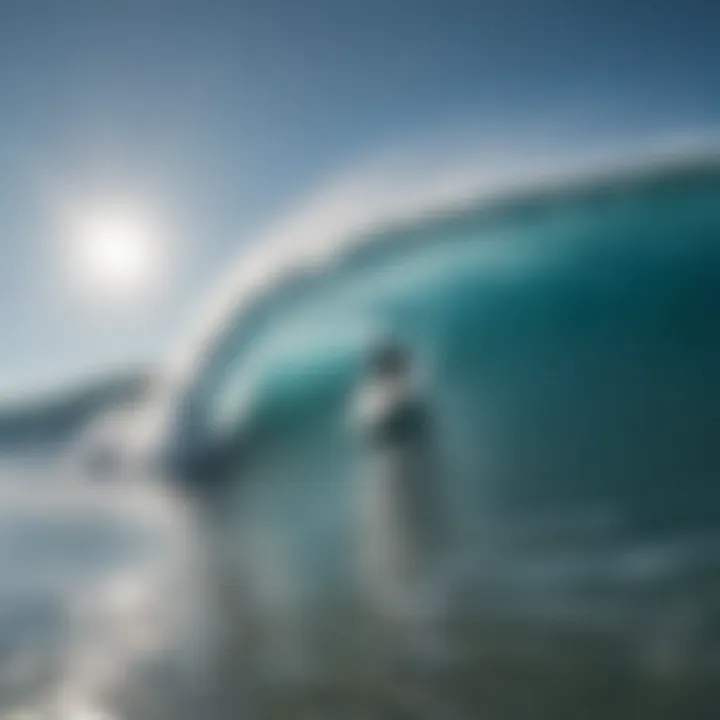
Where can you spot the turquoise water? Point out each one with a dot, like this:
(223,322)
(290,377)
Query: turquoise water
(568,342)
(559,325)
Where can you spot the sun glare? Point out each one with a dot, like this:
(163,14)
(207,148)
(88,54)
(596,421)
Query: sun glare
(115,251)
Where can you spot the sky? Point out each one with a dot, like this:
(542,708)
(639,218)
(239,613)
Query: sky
(214,117)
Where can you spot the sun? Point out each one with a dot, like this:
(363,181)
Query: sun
(115,250)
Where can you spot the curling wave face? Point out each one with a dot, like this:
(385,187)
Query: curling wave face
(568,341)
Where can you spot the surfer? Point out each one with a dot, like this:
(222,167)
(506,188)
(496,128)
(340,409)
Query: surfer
(400,509)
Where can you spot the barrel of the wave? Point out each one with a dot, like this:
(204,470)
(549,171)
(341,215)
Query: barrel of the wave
(574,340)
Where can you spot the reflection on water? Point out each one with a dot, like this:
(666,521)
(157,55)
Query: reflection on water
(96,617)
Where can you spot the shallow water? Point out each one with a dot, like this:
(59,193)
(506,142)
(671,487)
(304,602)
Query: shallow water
(99,614)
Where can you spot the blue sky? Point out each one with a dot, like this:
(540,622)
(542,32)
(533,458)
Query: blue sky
(222,114)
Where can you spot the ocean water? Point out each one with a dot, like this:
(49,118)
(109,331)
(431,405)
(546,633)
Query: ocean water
(100,612)
(568,343)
